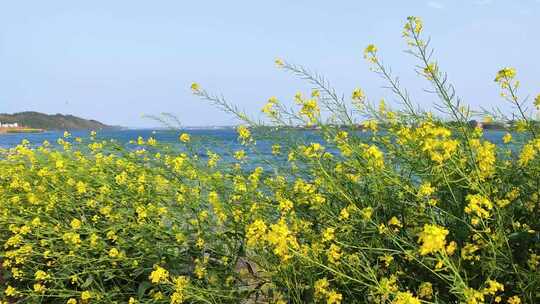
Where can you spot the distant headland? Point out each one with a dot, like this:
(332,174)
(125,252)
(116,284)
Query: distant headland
(25,122)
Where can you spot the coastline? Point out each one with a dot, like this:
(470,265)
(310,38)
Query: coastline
(20,130)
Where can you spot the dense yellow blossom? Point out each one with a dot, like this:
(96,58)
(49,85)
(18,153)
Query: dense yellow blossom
(334,297)
(432,239)
(473,296)
(310,110)
(282,240)
(41,275)
(478,205)
(159,275)
(86,295)
(334,253)
(321,287)
(425,189)
(75,224)
(425,290)
(255,233)
(244,133)
(529,152)
(505,74)
(486,159)
(406,298)
(374,202)
(493,287)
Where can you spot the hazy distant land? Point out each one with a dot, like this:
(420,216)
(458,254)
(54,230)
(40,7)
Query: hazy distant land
(36,122)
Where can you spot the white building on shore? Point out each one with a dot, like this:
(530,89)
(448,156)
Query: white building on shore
(9,125)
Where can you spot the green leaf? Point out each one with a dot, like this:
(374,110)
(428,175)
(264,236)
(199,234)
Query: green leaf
(88,282)
(143,287)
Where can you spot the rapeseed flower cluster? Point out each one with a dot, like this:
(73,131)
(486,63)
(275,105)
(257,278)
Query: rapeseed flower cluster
(399,206)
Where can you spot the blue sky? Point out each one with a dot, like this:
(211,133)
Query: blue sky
(116,60)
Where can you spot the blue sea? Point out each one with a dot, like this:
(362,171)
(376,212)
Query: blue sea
(217,140)
(224,136)
(222,141)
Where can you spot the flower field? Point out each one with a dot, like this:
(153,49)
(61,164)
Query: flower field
(410,207)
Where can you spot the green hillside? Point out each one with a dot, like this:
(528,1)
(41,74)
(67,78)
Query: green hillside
(52,122)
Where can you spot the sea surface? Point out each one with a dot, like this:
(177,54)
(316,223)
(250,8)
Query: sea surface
(224,136)
(222,141)
(217,140)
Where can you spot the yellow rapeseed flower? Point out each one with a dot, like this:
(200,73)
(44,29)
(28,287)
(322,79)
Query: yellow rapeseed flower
(493,287)
(151,141)
(366,213)
(394,221)
(159,275)
(431,71)
(184,137)
(507,138)
(75,224)
(86,295)
(537,102)
(39,288)
(486,159)
(240,154)
(177,298)
(425,290)
(370,125)
(529,152)
(478,205)
(505,74)
(358,95)
(11,291)
(334,254)
(432,239)
(451,248)
(41,275)
(473,296)
(333,297)
(276,149)
(281,238)
(387,259)
(321,287)
(195,87)
(328,234)
(406,298)
(467,252)
(514,300)
(370,53)
(375,157)
(244,134)
(270,107)
(310,109)
(425,189)
(113,252)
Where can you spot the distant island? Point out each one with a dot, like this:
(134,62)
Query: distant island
(37,122)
